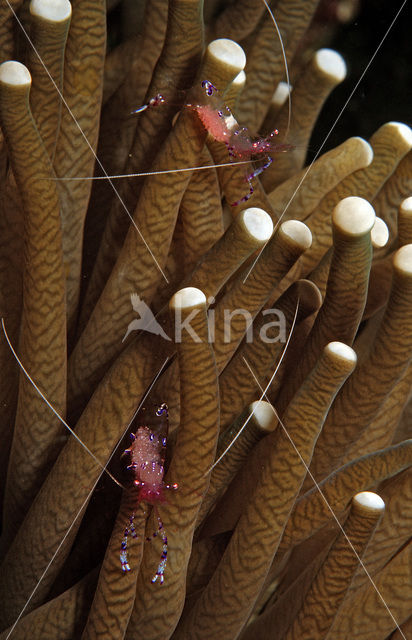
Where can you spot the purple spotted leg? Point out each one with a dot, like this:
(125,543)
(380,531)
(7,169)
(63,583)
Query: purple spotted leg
(249,179)
(123,547)
(163,558)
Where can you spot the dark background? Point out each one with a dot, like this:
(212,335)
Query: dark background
(385,93)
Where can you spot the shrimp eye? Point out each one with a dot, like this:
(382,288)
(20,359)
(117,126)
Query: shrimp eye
(158,99)
(163,407)
(210,88)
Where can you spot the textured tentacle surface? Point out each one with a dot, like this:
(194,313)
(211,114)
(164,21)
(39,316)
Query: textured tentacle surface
(254,548)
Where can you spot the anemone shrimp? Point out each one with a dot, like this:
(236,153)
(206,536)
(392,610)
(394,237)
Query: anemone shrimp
(220,123)
(147,453)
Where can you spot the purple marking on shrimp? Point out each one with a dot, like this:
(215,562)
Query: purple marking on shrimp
(147,453)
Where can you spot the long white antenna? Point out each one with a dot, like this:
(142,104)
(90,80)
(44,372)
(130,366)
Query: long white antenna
(63,421)
(272,377)
(148,173)
(338,117)
(86,140)
(285,63)
(326,502)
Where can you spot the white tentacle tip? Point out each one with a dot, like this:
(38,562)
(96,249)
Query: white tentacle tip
(331,63)
(258,223)
(14,73)
(379,233)
(51,10)
(402,260)
(354,216)
(228,51)
(369,502)
(187,298)
(264,414)
(341,352)
(298,232)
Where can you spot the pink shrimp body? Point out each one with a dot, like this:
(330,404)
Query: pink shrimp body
(213,123)
(243,147)
(218,120)
(147,455)
(237,140)
(222,126)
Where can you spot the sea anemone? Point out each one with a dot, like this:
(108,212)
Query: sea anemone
(275,322)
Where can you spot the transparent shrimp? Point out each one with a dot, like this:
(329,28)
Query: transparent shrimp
(147,453)
(220,123)
(222,126)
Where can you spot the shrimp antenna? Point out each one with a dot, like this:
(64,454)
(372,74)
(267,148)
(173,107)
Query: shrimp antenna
(328,506)
(62,420)
(285,62)
(144,173)
(153,102)
(230,445)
